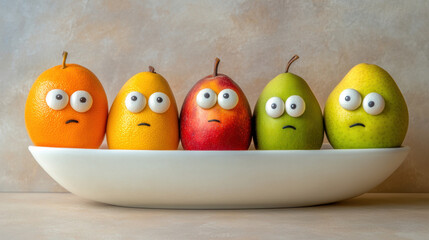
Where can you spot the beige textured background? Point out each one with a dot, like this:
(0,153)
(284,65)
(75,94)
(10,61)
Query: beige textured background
(254,39)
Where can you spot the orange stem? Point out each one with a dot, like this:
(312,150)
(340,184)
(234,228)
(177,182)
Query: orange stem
(64,58)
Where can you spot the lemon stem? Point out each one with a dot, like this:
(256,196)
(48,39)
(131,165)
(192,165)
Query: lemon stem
(217,60)
(65,53)
(293,59)
(152,69)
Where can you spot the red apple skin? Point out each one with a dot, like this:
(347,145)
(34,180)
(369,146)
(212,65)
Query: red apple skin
(234,132)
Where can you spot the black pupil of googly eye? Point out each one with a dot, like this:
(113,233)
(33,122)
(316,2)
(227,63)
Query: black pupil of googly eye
(206,95)
(59,97)
(347,98)
(273,106)
(371,104)
(83,99)
(134,98)
(226,95)
(159,99)
(293,106)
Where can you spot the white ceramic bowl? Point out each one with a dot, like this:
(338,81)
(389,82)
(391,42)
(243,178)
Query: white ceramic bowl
(218,179)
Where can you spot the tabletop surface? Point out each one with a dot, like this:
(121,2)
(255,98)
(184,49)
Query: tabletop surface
(66,216)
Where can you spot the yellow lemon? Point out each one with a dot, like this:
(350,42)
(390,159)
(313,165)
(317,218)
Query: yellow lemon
(144,115)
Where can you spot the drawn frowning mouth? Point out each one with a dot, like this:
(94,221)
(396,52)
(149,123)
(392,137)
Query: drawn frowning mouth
(357,124)
(289,126)
(72,121)
(143,124)
(214,120)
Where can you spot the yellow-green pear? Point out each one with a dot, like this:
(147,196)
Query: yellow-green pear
(366,110)
(287,115)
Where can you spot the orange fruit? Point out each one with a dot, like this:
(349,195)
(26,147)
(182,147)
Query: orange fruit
(66,107)
(144,115)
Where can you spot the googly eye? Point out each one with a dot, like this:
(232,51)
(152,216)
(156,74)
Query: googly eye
(81,101)
(57,99)
(135,102)
(373,103)
(206,98)
(275,107)
(227,99)
(350,99)
(295,106)
(159,102)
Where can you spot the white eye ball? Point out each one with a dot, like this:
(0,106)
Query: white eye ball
(57,99)
(135,102)
(81,101)
(275,107)
(373,103)
(350,99)
(295,106)
(227,99)
(159,102)
(206,98)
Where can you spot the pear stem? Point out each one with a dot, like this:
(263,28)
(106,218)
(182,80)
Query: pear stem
(293,59)
(217,60)
(152,69)
(65,53)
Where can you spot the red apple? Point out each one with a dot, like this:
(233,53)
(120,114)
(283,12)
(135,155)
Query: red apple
(215,115)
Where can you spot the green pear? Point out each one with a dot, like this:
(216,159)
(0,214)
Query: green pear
(287,115)
(366,110)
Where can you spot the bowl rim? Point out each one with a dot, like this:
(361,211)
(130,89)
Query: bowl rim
(248,151)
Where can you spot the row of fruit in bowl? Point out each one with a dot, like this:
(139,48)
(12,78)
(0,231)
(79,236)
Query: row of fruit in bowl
(67,107)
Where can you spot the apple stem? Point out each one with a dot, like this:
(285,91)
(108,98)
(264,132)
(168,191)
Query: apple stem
(152,69)
(65,53)
(293,59)
(217,60)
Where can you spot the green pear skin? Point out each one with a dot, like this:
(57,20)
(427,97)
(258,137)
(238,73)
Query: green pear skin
(385,130)
(269,133)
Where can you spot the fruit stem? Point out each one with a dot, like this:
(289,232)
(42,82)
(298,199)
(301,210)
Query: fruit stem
(65,53)
(217,60)
(293,59)
(152,69)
